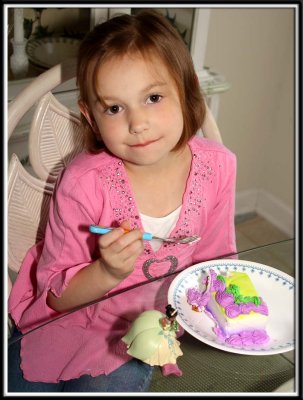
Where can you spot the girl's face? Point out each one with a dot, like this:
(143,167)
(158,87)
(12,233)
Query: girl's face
(141,121)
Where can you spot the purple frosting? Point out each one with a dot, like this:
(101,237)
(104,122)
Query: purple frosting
(234,340)
(197,298)
(260,336)
(248,338)
(233,310)
(213,279)
(262,308)
(224,299)
(218,285)
(246,308)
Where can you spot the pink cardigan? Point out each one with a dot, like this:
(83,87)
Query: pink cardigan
(94,189)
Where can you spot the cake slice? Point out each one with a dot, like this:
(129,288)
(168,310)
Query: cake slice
(233,302)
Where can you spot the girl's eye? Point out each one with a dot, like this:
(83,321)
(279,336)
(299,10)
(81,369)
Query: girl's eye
(154,98)
(113,109)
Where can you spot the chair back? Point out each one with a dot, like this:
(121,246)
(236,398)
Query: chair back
(54,139)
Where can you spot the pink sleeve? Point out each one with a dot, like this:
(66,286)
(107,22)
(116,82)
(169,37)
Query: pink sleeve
(218,237)
(68,245)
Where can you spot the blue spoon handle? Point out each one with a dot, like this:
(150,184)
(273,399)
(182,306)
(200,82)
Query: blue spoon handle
(101,231)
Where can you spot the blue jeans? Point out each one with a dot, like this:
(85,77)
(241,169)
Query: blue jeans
(133,376)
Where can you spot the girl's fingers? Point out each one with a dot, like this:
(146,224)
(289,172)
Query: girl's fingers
(126,225)
(126,240)
(128,258)
(109,238)
(120,256)
(118,239)
(132,251)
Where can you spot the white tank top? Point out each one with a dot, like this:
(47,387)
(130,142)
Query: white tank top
(161,227)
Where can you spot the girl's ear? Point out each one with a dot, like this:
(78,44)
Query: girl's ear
(85,111)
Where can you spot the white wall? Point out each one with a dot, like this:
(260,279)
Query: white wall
(254,50)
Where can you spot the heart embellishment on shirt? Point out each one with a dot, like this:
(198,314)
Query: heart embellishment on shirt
(150,267)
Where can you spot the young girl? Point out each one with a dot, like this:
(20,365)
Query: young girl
(144,169)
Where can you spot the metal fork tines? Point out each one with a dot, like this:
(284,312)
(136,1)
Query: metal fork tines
(183,240)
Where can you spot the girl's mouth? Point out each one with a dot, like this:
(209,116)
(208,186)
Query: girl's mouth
(144,144)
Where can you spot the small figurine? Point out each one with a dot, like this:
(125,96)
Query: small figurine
(152,339)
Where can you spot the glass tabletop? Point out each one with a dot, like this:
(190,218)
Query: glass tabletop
(206,368)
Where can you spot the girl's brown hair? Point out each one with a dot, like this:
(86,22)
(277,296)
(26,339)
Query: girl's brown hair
(150,34)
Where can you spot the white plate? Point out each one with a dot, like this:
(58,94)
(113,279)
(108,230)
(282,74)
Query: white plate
(274,286)
(49,51)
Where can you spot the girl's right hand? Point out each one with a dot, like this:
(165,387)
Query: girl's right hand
(119,250)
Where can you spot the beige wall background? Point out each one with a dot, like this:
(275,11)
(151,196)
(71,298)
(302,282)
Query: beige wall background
(254,50)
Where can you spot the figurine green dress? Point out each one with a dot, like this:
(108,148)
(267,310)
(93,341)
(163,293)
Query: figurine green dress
(152,338)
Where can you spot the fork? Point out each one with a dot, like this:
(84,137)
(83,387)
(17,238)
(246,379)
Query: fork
(100,230)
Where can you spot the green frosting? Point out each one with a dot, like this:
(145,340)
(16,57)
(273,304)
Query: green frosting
(221,278)
(233,289)
(239,299)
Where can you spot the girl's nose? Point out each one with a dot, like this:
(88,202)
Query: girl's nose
(138,122)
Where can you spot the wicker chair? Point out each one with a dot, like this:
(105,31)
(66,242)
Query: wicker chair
(54,139)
